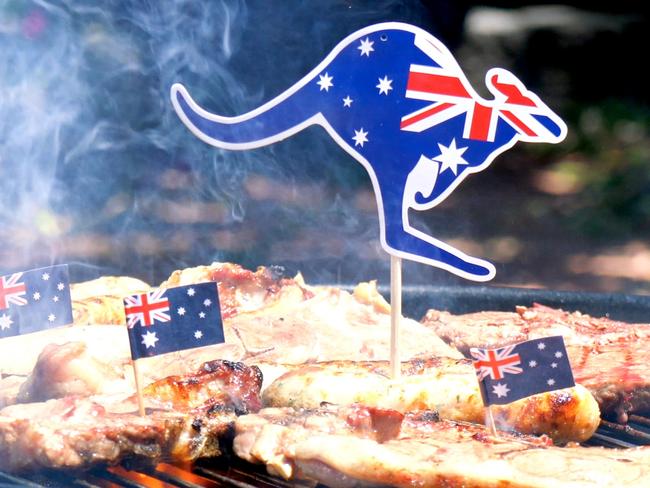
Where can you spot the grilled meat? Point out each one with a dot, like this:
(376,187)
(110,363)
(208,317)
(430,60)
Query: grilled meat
(495,329)
(186,419)
(443,384)
(68,370)
(607,356)
(266,319)
(99,301)
(323,445)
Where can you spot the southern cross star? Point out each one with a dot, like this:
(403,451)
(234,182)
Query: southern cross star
(360,137)
(384,85)
(325,82)
(366,47)
(451,157)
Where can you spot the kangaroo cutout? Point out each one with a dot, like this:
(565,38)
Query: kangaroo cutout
(394,98)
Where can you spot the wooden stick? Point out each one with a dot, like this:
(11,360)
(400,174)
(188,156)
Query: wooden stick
(395,314)
(138,381)
(490,421)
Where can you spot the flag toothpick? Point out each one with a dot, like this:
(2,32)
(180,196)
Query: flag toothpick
(395,314)
(138,387)
(490,421)
(164,321)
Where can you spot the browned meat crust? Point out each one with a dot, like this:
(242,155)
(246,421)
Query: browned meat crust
(446,385)
(187,418)
(322,445)
(607,356)
(100,301)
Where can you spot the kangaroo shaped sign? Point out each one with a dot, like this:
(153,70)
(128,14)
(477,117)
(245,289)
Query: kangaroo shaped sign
(396,100)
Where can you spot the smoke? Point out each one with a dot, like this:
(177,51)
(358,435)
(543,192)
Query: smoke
(96,169)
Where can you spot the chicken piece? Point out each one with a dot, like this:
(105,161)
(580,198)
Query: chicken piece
(320,445)
(68,370)
(607,356)
(446,385)
(99,301)
(186,418)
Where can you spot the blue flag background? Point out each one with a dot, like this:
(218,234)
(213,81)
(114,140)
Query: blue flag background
(47,301)
(195,321)
(544,367)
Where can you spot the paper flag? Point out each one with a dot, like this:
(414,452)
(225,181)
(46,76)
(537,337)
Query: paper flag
(395,99)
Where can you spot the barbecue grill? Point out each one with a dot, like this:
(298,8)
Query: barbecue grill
(233,472)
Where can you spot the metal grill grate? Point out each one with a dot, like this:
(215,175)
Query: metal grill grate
(235,473)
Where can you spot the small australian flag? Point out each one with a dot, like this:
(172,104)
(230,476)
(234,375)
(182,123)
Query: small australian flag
(521,370)
(35,300)
(173,319)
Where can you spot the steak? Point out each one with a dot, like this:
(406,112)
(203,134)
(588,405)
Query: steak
(187,418)
(446,385)
(326,445)
(607,356)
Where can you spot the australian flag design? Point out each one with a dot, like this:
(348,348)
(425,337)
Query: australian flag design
(35,300)
(521,370)
(394,98)
(174,319)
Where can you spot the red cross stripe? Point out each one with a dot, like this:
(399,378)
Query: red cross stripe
(495,363)
(146,308)
(452,98)
(12,291)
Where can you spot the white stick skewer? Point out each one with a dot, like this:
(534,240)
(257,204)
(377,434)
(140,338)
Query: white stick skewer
(395,314)
(138,381)
(490,421)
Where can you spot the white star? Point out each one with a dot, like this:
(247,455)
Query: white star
(384,85)
(532,363)
(60,286)
(550,382)
(51,317)
(347,101)
(558,354)
(325,82)
(500,390)
(541,346)
(207,302)
(45,276)
(5,321)
(450,157)
(202,315)
(366,47)
(180,311)
(191,292)
(360,137)
(198,334)
(149,339)
(55,298)
(36,296)
(553,365)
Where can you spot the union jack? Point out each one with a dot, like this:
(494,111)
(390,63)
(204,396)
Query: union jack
(12,291)
(146,308)
(447,87)
(495,363)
